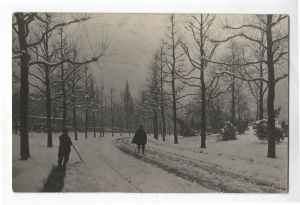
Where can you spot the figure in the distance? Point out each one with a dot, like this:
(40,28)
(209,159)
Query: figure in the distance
(140,138)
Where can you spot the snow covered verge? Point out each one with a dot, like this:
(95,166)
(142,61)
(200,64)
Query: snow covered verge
(230,166)
(30,175)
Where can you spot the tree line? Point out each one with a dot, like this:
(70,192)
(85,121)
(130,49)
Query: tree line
(189,76)
(48,61)
(195,77)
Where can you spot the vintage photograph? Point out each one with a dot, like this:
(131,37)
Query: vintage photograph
(150,103)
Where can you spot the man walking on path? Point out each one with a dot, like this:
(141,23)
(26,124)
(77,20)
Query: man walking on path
(140,138)
(64,150)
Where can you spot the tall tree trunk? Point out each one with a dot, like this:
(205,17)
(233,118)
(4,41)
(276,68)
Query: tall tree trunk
(203,111)
(127,124)
(102,122)
(48,89)
(174,109)
(86,109)
(24,87)
(155,128)
(94,124)
(54,116)
(64,100)
(74,119)
(261,95)
(203,88)
(100,118)
(271,90)
(257,110)
(64,103)
(233,102)
(48,109)
(112,113)
(170,127)
(86,122)
(121,114)
(162,98)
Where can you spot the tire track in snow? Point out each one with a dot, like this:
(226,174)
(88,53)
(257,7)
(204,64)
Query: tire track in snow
(119,173)
(206,174)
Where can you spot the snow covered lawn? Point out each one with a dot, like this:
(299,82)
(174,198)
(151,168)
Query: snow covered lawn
(232,166)
(229,166)
(30,175)
(107,169)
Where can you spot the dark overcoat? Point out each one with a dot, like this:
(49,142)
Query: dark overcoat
(140,137)
(65,143)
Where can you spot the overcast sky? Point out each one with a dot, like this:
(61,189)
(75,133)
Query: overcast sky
(133,40)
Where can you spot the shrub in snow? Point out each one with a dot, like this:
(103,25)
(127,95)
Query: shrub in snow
(262,130)
(228,132)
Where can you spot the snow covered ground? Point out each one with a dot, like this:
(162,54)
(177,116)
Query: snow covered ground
(30,175)
(232,166)
(229,166)
(105,169)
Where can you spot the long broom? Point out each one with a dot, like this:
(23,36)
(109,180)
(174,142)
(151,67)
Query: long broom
(77,153)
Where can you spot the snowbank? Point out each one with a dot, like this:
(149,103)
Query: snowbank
(228,166)
(30,175)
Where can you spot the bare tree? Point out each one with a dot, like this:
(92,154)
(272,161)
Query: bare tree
(21,27)
(93,104)
(200,28)
(258,88)
(87,78)
(101,104)
(275,43)
(128,107)
(173,61)
(121,113)
(152,94)
(112,111)
(162,95)
(76,97)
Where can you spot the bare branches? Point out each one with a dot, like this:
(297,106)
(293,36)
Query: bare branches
(241,77)
(281,77)
(242,35)
(280,18)
(59,25)
(192,61)
(280,39)
(244,26)
(236,64)
(183,96)
(41,62)
(219,93)
(279,56)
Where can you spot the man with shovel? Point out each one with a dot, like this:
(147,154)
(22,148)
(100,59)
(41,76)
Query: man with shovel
(64,150)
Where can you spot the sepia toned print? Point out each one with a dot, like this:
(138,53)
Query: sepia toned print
(150,103)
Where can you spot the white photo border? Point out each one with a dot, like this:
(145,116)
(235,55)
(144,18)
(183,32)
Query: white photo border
(8,7)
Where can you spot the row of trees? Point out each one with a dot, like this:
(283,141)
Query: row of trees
(187,78)
(49,61)
(191,68)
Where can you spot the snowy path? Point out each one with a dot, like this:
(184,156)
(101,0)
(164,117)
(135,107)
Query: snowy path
(107,169)
(210,175)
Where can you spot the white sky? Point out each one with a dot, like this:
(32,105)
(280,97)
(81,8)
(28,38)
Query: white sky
(133,40)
